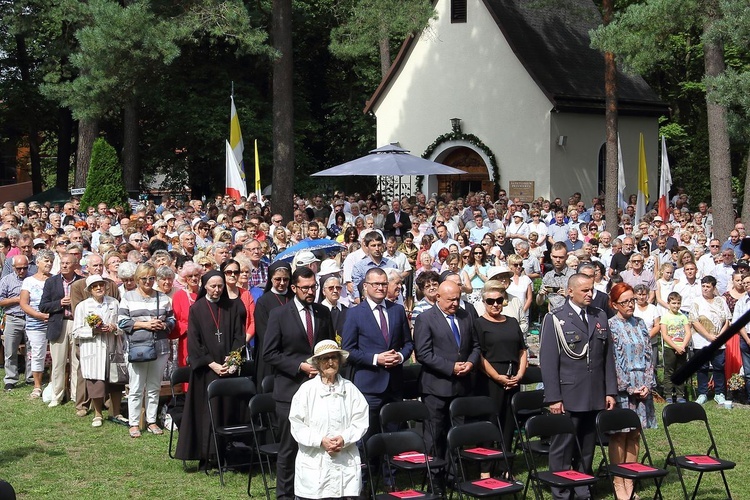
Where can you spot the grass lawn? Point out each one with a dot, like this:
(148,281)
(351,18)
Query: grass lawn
(51,453)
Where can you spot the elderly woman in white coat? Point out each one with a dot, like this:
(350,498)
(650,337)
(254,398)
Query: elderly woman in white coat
(328,416)
(96,344)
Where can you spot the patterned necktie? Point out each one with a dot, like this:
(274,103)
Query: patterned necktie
(454,327)
(309,321)
(383,323)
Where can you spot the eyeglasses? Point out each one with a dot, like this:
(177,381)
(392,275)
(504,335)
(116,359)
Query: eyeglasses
(307,289)
(231,272)
(478,253)
(22,268)
(329,357)
(279,280)
(628,302)
(492,302)
(147,279)
(279,221)
(714,246)
(377,284)
(238,221)
(334,287)
(137,241)
(515,265)
(63,242)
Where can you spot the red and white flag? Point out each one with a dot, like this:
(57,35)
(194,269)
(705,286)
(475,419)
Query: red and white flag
(665,182)
(235,184)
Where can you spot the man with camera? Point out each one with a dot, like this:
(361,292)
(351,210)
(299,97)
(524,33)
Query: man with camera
(555,282)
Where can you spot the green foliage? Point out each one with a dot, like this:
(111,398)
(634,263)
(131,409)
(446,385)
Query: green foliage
(364,23)
(104,183)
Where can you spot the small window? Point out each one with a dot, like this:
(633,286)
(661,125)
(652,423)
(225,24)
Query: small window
(458,11)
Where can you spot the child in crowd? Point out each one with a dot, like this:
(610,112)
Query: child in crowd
(664,286)
(676,332)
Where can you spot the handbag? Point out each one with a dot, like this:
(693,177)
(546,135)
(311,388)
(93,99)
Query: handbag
(142,346)
(118,368)
(142,343)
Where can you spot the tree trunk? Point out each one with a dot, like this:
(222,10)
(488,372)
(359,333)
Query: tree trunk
(283,110)
(718,143)
(746,198)
(385,55)
(88,130)
(31,128)
(131,158)
(610,121)
(64,148)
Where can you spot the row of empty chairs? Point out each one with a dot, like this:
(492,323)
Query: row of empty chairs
(474,438)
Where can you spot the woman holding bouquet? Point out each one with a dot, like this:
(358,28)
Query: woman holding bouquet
(216,330)
(95,327)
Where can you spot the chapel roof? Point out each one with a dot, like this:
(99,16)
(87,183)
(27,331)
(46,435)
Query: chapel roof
(551,40)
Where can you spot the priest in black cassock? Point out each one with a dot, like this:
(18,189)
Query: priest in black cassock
(216,327)
(276,294)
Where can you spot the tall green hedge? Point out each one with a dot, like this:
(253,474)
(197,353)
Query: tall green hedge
(104,183)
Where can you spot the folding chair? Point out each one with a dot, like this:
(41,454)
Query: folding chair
(524,405)
(532,375)
(262,411)
(543,426)
(406,413)
(179,376)
(266,385)
(409,447)
(683,413)
(481,408)
(411,380)
(613,421)
(469,441)
(238,388)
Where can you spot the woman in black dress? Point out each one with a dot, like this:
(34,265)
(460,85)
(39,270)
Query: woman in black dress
(503,353)
(276,294)
(216,327)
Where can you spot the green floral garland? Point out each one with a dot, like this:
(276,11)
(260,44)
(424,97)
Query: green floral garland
(471,139)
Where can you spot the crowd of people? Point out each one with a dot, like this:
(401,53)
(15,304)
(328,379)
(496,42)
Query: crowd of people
(458,286)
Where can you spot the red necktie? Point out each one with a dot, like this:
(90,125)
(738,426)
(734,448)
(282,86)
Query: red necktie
(309,321)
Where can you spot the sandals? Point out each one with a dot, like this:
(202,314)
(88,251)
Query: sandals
(97,422)
(36,393)
(155,429)
(135,432)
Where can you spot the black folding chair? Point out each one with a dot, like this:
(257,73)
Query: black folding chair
(266,385)
(524,405)
(532,375)
(544,426)
(179,376)
(262,412)
(482,408)
(238,388)
(683,413)
(411,413)
(616,420)
(470,442)
(411,380)
(388,445)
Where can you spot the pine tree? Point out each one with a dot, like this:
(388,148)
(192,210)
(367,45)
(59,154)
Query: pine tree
(104,183)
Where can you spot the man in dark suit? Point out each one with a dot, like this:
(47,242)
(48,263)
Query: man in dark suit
(376,334)
(578,371)
(292,332)
(448,350)
(331,294)
(56,302)
(397,223)
(599,299)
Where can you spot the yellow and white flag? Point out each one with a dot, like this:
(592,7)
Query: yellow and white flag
(235,166)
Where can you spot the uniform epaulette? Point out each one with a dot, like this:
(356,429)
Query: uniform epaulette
(556,310)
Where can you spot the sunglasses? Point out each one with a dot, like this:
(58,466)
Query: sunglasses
(491,302)
(231,272)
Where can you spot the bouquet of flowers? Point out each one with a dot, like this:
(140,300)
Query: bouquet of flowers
(234,361)
(94,320)
(736,382)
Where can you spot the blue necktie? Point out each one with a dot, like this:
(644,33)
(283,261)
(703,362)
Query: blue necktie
(454,327)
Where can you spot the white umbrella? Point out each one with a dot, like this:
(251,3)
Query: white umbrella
(389,160)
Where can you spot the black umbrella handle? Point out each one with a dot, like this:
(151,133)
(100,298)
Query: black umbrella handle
(704,355)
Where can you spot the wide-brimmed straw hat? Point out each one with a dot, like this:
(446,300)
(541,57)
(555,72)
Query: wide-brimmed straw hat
(326,347)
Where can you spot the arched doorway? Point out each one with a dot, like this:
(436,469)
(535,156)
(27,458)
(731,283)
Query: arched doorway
(475,179)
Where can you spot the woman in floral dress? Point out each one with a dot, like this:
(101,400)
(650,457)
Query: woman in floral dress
(635,378)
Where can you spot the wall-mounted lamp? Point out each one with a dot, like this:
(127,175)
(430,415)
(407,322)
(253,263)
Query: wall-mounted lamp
(456,125)
(562,140)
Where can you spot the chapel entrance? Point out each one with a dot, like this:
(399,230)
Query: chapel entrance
(475,179)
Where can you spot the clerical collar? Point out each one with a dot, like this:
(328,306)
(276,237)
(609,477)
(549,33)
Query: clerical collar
(278,293)
(214,301)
